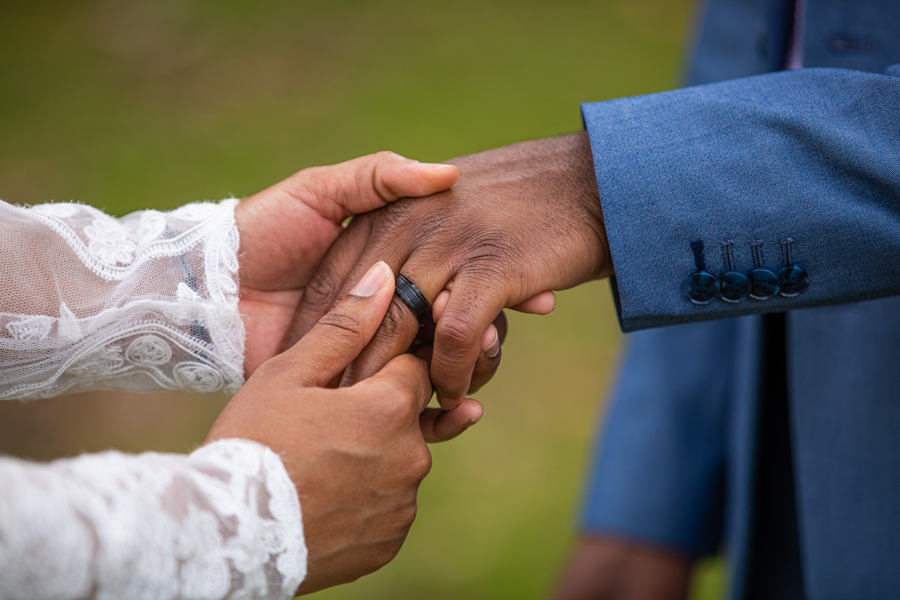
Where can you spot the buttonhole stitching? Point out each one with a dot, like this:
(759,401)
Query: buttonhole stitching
(756,248)
(787,251)
(728,254)
(699,259)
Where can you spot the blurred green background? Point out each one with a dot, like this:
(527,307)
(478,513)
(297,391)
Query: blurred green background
(125,105)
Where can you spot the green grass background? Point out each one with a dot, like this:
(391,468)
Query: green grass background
(129,104)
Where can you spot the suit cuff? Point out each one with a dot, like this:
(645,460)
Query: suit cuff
(785,160)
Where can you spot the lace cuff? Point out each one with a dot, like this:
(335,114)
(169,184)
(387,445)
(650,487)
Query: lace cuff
(145,302)
(221,523)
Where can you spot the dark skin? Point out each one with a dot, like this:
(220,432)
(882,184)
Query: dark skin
(607,568)
(286,229)
(522,220)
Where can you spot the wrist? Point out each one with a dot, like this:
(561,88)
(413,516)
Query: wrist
(585,184)
(282,239)
(266,317)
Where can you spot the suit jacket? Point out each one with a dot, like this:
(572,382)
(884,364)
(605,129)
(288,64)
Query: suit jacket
(748,155)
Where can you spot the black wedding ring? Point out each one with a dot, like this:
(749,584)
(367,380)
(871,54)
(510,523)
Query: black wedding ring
(413,298)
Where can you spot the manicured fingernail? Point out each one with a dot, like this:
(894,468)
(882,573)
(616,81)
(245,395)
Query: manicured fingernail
(436,166)
(491,342)
(372,281)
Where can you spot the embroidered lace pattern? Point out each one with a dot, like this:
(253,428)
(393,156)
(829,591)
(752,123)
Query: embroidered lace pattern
(221,523)
(145,302)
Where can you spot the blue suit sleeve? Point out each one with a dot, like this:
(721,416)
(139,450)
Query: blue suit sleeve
(658,476)
(811,155)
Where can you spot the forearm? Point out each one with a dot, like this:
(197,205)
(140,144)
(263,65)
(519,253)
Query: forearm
(148,301)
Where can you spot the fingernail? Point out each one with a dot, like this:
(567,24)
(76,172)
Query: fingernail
(472,422)
(436,166)
(372,281)
(493,347)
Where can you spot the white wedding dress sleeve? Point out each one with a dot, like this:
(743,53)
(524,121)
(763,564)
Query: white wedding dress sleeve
(145,302)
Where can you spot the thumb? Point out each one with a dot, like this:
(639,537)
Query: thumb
(399,177)
(340,335)
(369,182)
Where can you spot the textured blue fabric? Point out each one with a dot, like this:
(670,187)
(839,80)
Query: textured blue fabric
(814,155)
(688,430)
(845,398)
(677,450)
(732,42)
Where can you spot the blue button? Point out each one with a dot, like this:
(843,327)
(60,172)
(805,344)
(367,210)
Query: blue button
(793,281)
(763,284)
(734,286)
(700,287)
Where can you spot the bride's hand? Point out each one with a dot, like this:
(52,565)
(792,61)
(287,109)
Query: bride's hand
(355,454)
(286,229)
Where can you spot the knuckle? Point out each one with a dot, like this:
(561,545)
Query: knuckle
(414,368)
(397,408)
(490,247)
(341,325)
(321,290)
(420,463)
(490,255)
(386,156)
(456,332)
(397,320)
(314,183)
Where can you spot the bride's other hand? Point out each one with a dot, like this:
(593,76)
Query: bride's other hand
(355,454)
(286,229)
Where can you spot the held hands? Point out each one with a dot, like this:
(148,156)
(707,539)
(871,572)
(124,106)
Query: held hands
(523,220)
(286,229)
(355,454)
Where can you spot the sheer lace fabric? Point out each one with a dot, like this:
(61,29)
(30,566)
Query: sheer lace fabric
(145,302)
(221,523)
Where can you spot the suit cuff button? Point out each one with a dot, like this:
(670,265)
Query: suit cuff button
(763,284)
(792,281)
(734,286)
(700,287)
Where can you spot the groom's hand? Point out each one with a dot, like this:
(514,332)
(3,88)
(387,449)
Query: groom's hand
(522,220)
(355,454)
(286,229)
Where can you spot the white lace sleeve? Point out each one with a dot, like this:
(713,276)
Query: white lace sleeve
(145,302)
(221,523)
(148,301)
